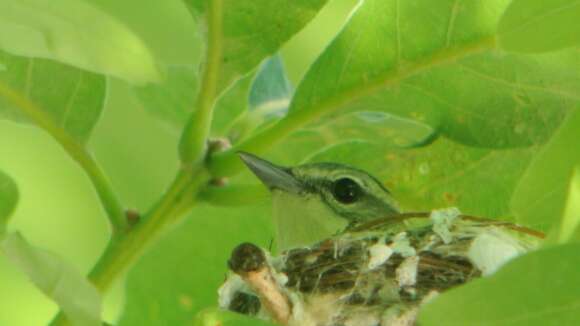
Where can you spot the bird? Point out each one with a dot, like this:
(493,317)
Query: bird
(314,201)
(347,255)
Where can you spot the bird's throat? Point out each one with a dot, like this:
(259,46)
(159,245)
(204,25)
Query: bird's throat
(303,220)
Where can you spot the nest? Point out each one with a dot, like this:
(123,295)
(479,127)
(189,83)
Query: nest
(372,274)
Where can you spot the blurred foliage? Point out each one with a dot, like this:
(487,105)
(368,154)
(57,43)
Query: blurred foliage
(471,104)
(552,299)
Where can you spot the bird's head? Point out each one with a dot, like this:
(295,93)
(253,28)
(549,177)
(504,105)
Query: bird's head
(314,201)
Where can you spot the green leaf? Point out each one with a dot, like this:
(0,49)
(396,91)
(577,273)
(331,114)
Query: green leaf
(217,317)
(438,65)
(540,288)
(268,99)
(569,228)
(253,30)
(78,33)
(171,101)
(182,273)
(56,97)
(271,88)
(541,194)
(351,130)
(8,199)
(539,26)
(60,281)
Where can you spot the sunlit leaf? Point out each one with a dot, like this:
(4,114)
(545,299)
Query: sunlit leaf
(197,252)
(216,317)
(75,32)
(8,199)
(254,30)
(541,194)
(60,281)
(569,228)
(64,99)
(540,288)
(539,26)
(438,64)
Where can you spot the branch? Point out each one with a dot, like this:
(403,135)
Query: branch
(193,143)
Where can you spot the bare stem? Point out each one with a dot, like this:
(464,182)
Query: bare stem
(193,144)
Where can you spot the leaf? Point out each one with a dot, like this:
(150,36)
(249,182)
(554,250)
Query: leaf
(8,200)
(60,281)
(438,65)
(541,193)
(538,26)
(569,228)
(442,174)
(165,27)
(63,99)
(360,128)
(217,317)
(268,99)
(77,33)
(540,288)
(197,252)
(271,88)
(171,101)
(253,30)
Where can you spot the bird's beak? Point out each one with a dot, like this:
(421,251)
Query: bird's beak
(273,176)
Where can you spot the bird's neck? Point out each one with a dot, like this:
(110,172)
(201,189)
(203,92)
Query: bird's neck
(303,220)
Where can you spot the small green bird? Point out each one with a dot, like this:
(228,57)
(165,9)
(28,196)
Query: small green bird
(315,201)
(348,256)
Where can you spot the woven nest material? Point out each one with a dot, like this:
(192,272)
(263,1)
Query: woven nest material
(373,274)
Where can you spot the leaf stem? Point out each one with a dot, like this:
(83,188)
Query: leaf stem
(108,198)
(123,253)
(193,143)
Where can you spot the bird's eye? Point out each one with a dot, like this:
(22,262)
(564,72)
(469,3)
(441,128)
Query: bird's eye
(346,191)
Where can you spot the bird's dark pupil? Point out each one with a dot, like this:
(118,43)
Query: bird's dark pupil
(346,191)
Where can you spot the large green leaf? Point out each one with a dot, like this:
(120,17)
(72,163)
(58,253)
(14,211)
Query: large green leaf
(78,33)
(540,196)
(54,96)
(181,274)
(8,199)
(438,64)
(540,288)
(538,25)
(60,281)
(253,30)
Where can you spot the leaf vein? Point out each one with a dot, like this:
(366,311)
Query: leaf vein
(486,76)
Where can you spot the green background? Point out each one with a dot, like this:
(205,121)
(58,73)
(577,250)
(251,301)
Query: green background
(59,210)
